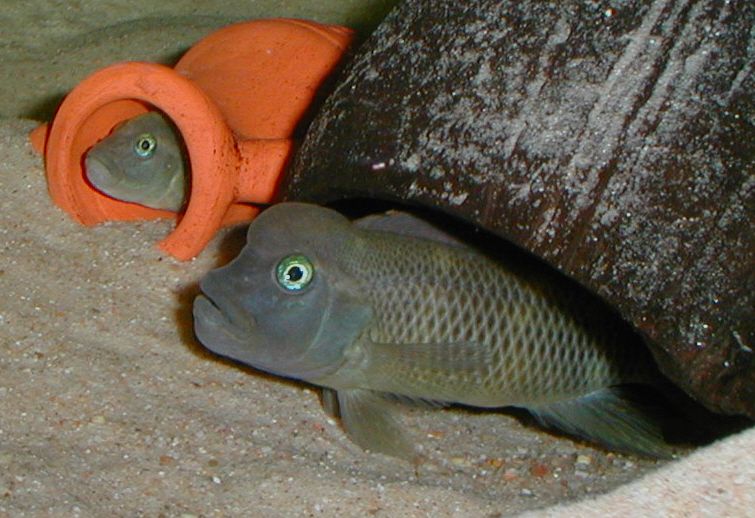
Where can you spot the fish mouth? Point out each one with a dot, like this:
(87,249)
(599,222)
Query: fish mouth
(219,331)
(221,335)
(98,173)
(226,331)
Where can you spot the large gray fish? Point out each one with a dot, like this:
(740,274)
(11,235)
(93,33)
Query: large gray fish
(391,306)
(141,161)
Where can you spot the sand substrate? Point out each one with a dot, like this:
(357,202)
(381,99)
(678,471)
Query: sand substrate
(108,405)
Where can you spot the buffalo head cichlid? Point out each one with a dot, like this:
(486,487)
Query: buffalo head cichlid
(391,306)
(142,162)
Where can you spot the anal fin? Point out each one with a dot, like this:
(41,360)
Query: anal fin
(610,417)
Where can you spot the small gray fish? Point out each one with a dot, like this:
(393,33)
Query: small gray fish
(141,161)
(391,307)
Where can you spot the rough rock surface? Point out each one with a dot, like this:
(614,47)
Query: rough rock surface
(614,140)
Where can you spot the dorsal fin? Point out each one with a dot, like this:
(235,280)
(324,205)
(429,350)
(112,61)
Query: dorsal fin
(405,224)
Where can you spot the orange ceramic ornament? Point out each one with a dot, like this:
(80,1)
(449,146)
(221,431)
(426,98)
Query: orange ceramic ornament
(236,98)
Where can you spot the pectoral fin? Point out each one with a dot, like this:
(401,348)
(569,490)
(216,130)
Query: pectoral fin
(438,373)
(609,417)
(367,418)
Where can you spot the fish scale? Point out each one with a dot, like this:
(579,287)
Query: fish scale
(391,306)
(541,350)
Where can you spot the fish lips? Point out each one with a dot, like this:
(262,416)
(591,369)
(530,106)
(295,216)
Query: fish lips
(238,340)
(222,331)
(99,174)
(227,331)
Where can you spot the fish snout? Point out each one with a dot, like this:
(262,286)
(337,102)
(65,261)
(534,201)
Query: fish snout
(99,173)
(226,309)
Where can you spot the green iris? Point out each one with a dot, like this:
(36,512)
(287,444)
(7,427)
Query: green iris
(294,272)
(145,145)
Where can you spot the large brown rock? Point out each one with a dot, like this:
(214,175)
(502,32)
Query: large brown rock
(617,143)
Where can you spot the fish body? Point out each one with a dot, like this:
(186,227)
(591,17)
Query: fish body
(141,161)
(393,306)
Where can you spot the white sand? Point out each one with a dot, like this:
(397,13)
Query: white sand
(108,406)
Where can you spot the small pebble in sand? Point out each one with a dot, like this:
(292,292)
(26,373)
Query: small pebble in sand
(583,461)
(510,474)
(539,469)
(166,460)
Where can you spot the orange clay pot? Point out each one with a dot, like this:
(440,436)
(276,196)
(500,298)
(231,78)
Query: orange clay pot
(236,97)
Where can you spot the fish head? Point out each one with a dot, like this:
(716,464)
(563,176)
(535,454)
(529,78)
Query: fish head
(285,304)
(141,161)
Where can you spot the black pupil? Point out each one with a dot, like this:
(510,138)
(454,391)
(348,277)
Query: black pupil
(145,144)
(294,273)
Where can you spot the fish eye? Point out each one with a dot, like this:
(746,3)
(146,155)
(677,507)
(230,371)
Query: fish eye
(294,272)
(145,145)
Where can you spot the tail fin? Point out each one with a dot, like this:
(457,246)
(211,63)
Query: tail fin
(612,418)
